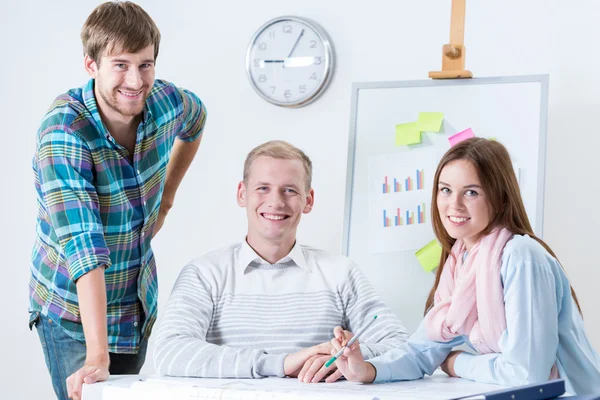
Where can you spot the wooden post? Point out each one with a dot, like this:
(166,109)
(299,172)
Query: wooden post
(454,53)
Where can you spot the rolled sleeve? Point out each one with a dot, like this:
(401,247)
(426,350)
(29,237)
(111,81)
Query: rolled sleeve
(84,252)
(193,115)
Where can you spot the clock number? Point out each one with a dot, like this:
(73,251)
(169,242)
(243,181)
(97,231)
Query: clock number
(262,46)
(256,62)
(287,94)
(313,76)
(313,44)
(302,88)
(287,28)
(318,60)
(273,89)
(262,78)
(272,35)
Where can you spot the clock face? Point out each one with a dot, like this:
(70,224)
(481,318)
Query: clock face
(289,61)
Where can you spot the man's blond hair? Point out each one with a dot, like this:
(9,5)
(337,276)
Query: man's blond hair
(281,150)
(118,26)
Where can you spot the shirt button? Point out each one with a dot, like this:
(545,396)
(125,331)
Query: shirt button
(135,324)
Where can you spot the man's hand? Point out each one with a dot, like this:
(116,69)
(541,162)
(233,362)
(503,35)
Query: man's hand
(448,364)
(314,370)
(91,372)
(351,363)
(294,362)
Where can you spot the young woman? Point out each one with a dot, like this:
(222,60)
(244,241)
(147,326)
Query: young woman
(499,289)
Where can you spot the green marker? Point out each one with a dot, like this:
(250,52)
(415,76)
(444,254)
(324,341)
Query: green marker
(350,343)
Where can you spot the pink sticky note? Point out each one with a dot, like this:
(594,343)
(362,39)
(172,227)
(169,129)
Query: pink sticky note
(460,136)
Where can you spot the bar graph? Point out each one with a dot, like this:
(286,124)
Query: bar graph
(408,184)
(404,217)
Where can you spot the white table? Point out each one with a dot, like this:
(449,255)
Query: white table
(138,387)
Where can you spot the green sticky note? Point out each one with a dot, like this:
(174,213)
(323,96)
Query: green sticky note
(430,121)
(407,134)
(492,138)
(429,256)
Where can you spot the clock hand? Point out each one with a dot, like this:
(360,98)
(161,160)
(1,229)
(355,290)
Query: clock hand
(296,44)
(261,63)
(298,62)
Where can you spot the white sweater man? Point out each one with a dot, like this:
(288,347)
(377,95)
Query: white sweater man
(267,306)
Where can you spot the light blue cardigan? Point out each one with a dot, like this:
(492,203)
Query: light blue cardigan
(543,327)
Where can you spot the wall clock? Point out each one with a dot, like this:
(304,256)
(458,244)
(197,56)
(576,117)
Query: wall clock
(290,61)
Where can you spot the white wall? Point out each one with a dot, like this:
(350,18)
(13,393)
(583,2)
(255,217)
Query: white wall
(203,50)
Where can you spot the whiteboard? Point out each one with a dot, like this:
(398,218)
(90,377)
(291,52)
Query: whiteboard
(513,110)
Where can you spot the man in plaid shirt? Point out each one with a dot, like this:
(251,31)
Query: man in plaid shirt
(110,156)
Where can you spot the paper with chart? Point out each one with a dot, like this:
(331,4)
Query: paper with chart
(400,201)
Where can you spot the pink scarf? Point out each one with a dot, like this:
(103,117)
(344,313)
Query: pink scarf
(469,299)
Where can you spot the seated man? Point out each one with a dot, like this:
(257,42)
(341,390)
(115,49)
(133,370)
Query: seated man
(267,306)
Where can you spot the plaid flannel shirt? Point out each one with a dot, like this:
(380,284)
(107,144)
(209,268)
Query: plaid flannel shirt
(97,208)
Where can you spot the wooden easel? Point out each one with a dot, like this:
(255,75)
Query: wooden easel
(453,54)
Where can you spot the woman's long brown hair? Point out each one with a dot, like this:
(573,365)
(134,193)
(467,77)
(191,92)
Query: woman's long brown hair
(498,180)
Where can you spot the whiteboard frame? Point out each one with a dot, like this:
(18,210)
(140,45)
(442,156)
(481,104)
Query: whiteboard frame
(358,86)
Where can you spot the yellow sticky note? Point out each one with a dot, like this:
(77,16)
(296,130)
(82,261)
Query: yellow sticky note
(430,121)
(429,256)
(407,134)
(492,138)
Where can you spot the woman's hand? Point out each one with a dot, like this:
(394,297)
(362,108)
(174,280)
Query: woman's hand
(351,363)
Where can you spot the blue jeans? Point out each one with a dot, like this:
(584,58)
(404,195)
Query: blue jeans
(65,355)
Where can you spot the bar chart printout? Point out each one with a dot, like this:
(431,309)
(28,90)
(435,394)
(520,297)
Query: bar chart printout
(399,201)
(407,184)
(404,217)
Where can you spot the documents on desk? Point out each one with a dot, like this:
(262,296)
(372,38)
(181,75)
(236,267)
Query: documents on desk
(154,388)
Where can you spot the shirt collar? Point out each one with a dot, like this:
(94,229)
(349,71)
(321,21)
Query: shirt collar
(247,255)
(89,100)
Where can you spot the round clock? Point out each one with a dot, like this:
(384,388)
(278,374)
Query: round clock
(289,61)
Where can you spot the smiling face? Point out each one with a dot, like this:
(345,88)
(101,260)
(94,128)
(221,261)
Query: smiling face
(463,206)
(275,197)
(122,82)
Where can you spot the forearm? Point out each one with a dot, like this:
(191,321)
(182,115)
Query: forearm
(91,293)
(412,360)
(182,155)
(189,356)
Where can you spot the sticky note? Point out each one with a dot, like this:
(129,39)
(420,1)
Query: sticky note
(407,134)
(492,138)
(430,121)
(460,136)
(429,256)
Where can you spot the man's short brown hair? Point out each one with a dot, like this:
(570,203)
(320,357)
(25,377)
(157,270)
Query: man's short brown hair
(280,150)
(118,26)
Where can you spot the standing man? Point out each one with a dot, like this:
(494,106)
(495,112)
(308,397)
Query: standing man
(110,156)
